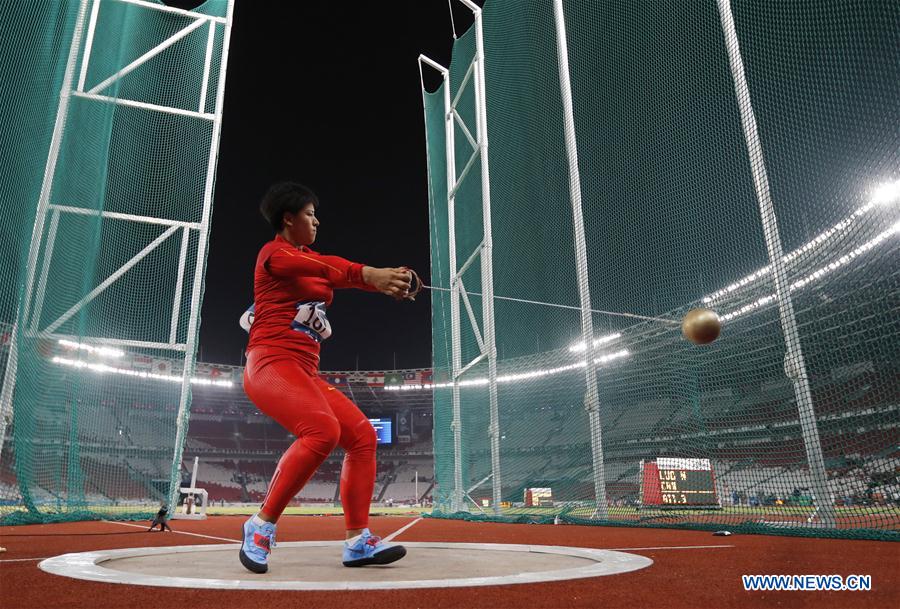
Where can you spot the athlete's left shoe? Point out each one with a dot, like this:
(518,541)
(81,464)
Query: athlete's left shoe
(368,549)
(258,543)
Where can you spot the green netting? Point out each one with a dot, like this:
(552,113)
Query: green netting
(107,138)
(672,221)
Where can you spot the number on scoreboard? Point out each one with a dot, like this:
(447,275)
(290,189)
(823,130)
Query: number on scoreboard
(669,482)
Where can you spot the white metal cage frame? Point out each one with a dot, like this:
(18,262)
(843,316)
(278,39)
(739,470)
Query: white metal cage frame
(795,368)
(485,336)
(28,320)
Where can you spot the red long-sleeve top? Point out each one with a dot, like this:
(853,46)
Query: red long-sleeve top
(292,288)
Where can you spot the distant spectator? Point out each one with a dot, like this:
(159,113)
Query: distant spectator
(161,520)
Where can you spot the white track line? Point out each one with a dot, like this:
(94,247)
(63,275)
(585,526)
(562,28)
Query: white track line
(669,548)
(141,526)
(403,529)
(20,559)
(398,531)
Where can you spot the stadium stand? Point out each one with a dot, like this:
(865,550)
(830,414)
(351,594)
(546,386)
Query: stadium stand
(750,432)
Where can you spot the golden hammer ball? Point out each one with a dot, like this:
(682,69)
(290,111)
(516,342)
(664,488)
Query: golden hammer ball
(701,326)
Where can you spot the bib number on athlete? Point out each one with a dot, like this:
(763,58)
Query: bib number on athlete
(311,319)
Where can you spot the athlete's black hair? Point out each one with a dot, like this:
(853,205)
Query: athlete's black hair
(285,197)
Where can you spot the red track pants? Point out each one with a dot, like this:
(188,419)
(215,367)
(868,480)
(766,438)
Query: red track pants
(286,387)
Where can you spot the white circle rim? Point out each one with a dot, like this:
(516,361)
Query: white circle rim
(89,566)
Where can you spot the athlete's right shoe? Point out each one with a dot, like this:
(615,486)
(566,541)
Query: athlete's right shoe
(258,543)
(368,549)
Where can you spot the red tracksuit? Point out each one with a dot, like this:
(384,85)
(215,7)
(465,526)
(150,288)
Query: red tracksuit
(292,288)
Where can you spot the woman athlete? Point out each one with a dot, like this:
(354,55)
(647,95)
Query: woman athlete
(293,286)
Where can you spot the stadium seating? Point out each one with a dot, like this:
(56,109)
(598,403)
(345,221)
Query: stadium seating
(752,436)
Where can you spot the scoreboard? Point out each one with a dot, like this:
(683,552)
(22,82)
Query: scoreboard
(539,497)
(383,430)
(669,482)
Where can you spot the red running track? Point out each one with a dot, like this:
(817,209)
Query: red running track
(679,577)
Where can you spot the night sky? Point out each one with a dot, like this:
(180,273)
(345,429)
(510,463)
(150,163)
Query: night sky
(328,94)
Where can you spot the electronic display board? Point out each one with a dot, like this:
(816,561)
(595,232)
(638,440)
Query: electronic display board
(384,429)
(678,483)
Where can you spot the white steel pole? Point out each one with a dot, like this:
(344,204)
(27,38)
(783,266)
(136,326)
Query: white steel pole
(794,363)
(174,11)
(45,271)
(487,263)
(457,495)
(59,127)
(592,397)
(179,285)
(111,279)
(146,57)
(207,65)
(9,384)
(194,474)
(203,242)
(88,45)
(457,502)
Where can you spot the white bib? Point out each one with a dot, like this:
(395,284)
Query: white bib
(247,318)
(312,320)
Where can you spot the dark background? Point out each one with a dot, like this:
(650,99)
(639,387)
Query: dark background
(328,94)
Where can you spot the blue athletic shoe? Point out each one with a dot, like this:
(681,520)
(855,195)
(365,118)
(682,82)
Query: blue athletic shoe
(258,543)
(370,550)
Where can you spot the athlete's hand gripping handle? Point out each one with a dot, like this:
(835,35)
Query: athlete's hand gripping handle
(393,281)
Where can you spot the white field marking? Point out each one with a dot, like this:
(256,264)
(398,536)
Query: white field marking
(92,566)
(400,530)
(140,526)
(669,548)
(20,559)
